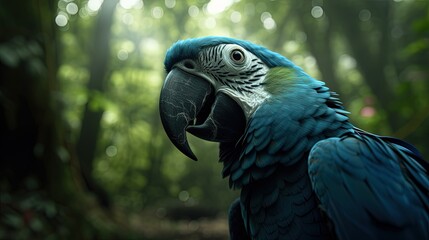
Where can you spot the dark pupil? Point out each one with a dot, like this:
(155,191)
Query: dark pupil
(237,56)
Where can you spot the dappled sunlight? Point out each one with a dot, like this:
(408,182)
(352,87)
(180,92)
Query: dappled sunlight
(94,5)
(97,66)
(268,21)
(72,8)
(218,6)
(128,4)
(132,141)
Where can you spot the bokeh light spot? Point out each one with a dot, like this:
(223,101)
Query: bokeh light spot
(157,12)
(218,6)
(72,8)
(269,24)
(111,151)
(301,37)
(268,21)
(210,23)
(235,17)
(347,62)
(317,12)
(193,11)
(128,4)
(364,15)
(122,55)
(127,18)
(310,62)
(265,16)
(367,111)
(184,196)
(61,20)
(291,47)
(94,5)
(170,3)
(149,46)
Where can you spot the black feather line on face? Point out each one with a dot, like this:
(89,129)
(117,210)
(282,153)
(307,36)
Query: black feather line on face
(212,62)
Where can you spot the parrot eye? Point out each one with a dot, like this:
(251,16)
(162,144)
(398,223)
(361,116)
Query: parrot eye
(237,56)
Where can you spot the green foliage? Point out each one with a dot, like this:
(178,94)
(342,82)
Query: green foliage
(20,51)
(374,53)
(32,214)
(135,161)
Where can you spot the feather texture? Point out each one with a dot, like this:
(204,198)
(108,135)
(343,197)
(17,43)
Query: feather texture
(371,188)
(277,199)
(305,172)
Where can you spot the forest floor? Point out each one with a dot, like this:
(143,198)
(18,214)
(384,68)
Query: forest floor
(31,215)
(155,228)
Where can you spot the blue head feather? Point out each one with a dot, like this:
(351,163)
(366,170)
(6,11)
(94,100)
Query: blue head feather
(189,49)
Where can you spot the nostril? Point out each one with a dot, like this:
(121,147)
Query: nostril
(189,65)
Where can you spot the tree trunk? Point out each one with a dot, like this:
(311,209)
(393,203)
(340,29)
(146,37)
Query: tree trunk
(31,141)
(90,128)
(319,42)
(371,53)
(39,170)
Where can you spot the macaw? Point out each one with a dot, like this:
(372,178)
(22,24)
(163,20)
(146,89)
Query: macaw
(304,171)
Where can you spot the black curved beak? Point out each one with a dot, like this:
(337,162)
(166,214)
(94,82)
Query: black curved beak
(188,103)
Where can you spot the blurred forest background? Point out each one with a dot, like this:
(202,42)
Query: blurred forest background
(83,154)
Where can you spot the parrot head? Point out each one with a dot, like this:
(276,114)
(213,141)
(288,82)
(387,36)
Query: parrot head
(213,86)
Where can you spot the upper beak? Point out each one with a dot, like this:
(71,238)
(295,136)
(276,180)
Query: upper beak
(189,103)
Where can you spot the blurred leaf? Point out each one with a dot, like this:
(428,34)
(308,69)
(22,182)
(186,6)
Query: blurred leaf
(13,220)
(50,210)
(416,47)
(36,225)
(63,154)
(98,101)
(421,25)
(8,56)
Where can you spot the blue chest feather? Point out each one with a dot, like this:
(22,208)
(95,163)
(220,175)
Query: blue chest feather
(282,131)
(269,164)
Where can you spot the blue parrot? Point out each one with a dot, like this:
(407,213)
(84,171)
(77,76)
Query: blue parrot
(304,171)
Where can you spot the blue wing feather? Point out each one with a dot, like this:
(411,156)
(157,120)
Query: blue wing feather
(237,231)
(371,187)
